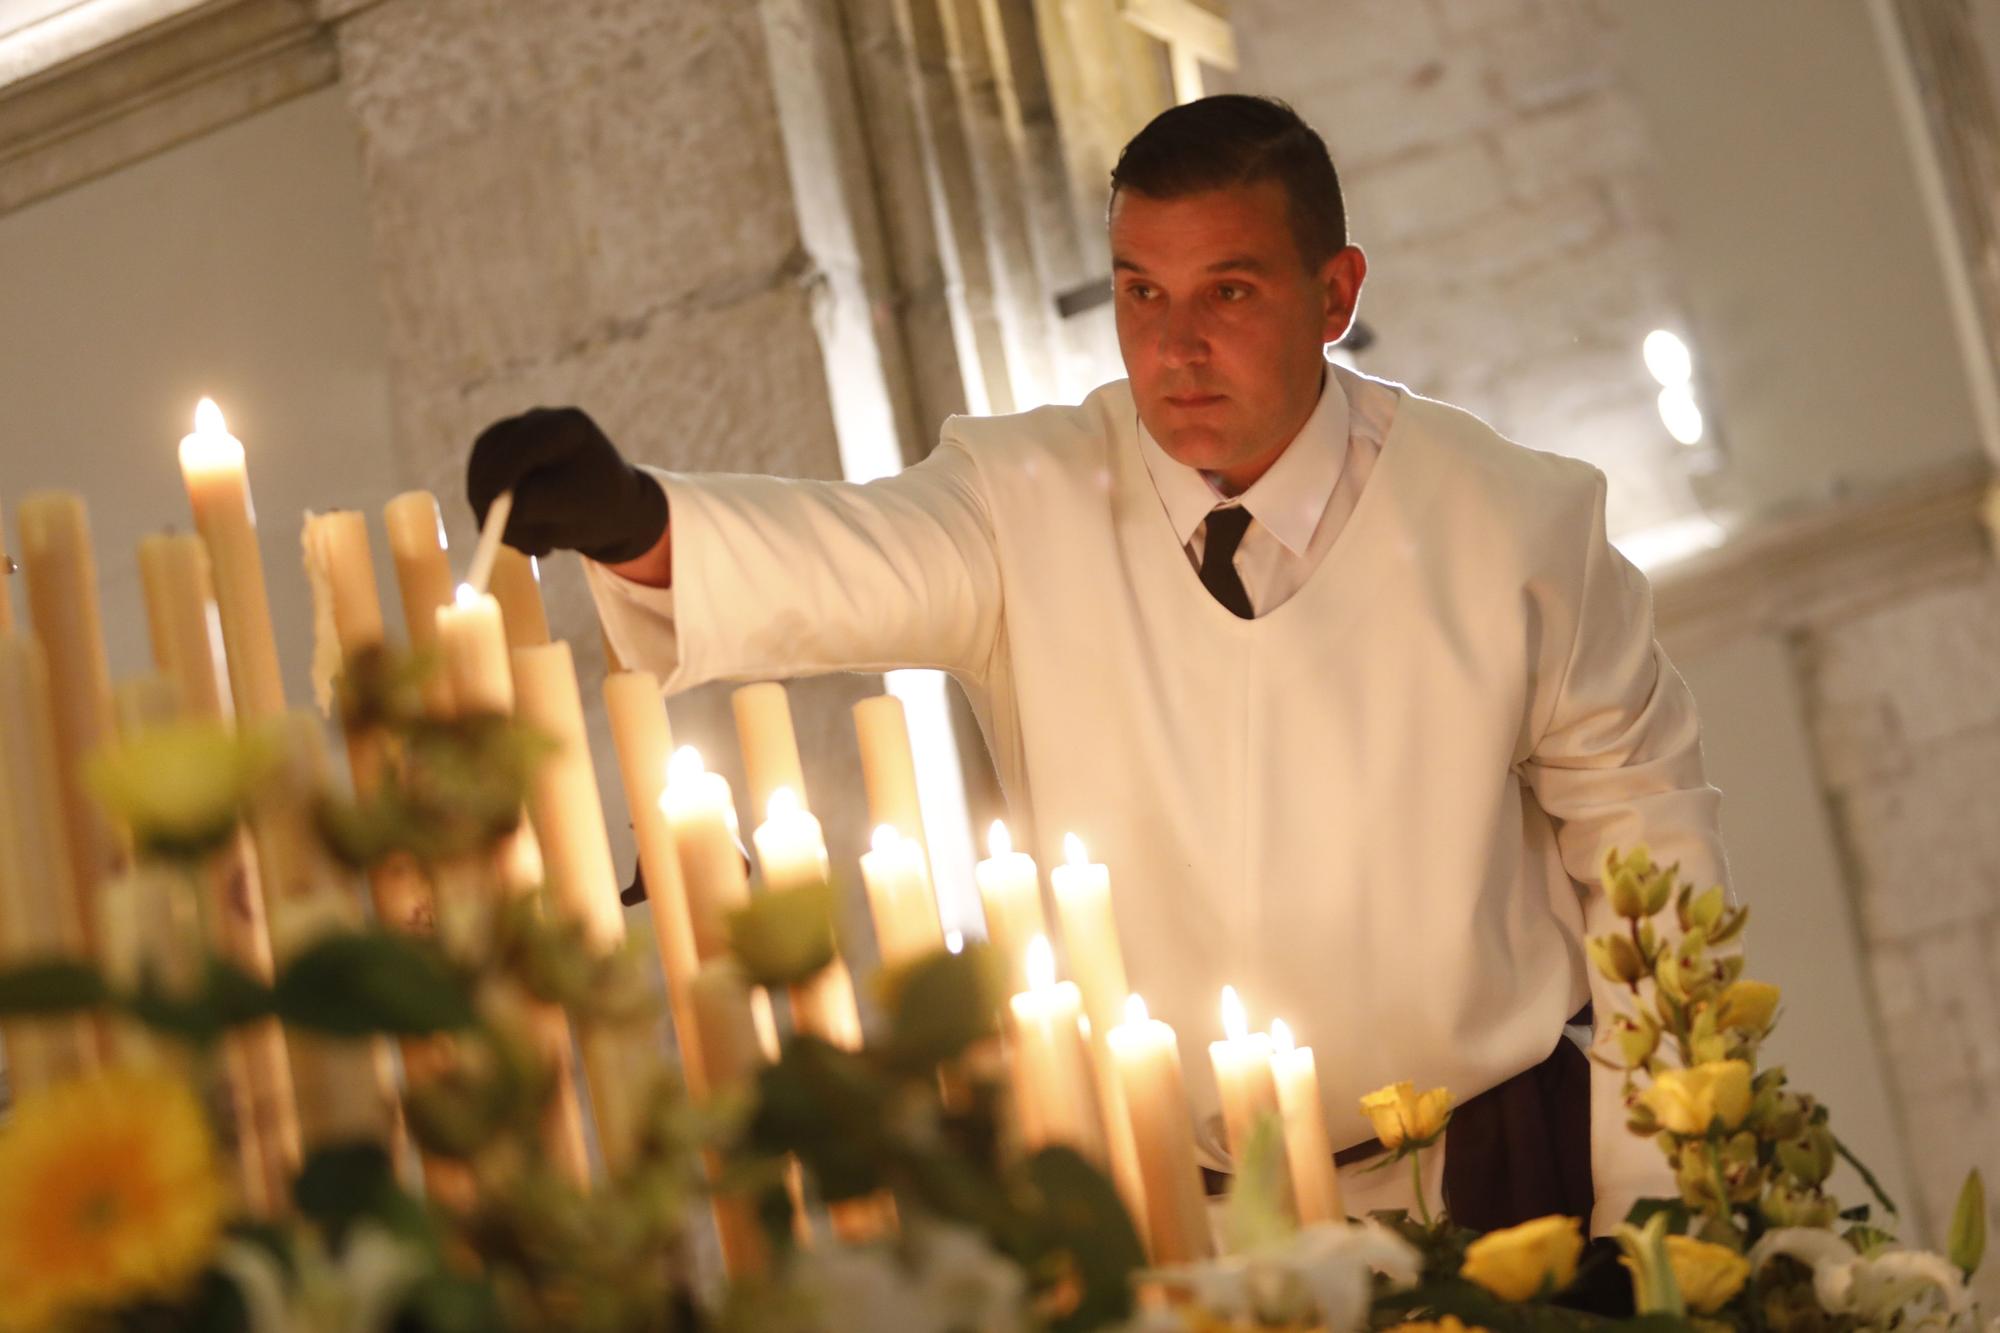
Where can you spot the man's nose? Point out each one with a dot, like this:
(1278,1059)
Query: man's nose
(1183,341)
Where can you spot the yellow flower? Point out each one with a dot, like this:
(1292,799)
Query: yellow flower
(108,1193)
(1709,1275)
(1688,1101)
(1443,1324)
(1402,1116)
(1747,1006)
(179,785)
(1518,1263)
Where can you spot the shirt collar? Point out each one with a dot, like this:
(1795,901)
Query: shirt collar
(1288,499)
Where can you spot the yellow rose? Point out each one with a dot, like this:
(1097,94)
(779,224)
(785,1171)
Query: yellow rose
(1402,1116)
(1688,1101)
(180,786)
(1708,1275)
(1519,1263)
(1747,1006)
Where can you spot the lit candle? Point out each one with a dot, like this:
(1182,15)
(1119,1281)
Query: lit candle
(61,575)
(1315,1187)
(38,904)
(900,898)
(791,847)
(1090,933)
(1148,1062)
(517,581)
(770,747)
(732,1048)
(702,814)
(423,576)
(888,765)
(344,1087)
(218,491)
(640,730)
(568,816)
(1010,890)
(1249,1094)
(182,623)
(1054,1087)
(473,643)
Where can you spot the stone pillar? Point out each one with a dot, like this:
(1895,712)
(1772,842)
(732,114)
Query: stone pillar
(590,204)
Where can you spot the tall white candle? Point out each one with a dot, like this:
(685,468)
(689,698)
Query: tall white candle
(1010,891)
(1249,1094)
(1314,1184)
(900,898)
(423,577)
(218,489)
(1055,1089)
(769,744)
(791,847)
(1147,1058)
(702,814)
(1082,890)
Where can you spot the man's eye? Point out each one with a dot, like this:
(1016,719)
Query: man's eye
(1139,291)
(1229,291)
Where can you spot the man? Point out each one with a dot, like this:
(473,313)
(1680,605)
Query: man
(1351,694)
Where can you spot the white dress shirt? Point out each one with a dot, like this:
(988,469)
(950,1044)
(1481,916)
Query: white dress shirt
(1300,506)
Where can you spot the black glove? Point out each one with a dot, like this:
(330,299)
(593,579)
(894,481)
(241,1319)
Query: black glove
(572,491)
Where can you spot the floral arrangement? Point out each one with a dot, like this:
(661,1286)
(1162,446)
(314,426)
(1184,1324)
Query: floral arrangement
(117,1209)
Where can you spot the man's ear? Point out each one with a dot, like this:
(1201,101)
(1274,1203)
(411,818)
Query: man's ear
(1340,279)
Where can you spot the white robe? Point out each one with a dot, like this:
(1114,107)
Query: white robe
(1378,810)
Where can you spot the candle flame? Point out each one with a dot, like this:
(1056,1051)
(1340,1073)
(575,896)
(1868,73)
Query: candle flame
(1281,1036)
(1135,1010)
(1073,850)
(466,595)
(954,941)
(998,841)
(684,765)
(208,418)
(784,804)
(1235,1023)
(1041,963)
(885,838)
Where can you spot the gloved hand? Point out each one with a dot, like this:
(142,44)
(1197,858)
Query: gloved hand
(572,490)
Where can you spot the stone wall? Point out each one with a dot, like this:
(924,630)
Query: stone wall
(1903,702)
(1499,181)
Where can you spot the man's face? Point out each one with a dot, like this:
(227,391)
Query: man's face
(1222,326)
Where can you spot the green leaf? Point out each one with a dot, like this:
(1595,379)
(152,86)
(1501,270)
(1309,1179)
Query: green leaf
(944,1003)
(228,997)
(783,938)
(1080,1219)
(345,1183)
(361,983)
(51,986)
(1867,1178)
(827,1106)
(1967,1237)
(1675,1209)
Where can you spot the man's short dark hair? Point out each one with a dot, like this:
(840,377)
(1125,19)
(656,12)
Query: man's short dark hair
(1232,139)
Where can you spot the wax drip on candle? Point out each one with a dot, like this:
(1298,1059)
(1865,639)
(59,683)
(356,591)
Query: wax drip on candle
(1135,1008)
(1235,1023)
(1041,963)
(1281,1036)
(1073,850)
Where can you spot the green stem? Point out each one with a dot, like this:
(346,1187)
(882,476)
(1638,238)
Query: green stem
(1417,1180)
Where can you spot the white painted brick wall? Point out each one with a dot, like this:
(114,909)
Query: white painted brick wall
(1499,183)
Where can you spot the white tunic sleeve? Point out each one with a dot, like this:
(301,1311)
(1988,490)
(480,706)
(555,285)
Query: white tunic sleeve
(781,577)
(1617,764)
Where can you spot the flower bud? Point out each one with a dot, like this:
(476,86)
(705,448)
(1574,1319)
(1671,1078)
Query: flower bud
(1807,1156)
(1518,1263)
(1708,1275)
(1787,1205)
(1965,1244)
(1748,1006)
(1638,1036)
(1617,958)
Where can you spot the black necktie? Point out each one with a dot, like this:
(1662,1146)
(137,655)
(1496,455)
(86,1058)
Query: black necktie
(1226,527)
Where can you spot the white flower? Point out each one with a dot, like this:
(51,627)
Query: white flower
(359,1293)
(1321,1273)
(942,1280)
(1905,1288)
